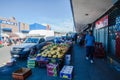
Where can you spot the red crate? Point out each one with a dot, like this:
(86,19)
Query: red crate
(99,50)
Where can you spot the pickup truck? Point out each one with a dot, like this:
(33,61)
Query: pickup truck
(23,50)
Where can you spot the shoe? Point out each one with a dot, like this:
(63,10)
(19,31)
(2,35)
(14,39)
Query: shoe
(87,58)
(91,61)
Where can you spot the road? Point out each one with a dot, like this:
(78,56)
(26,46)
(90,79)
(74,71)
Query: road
(4,55)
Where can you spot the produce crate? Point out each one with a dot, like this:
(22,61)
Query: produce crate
(99,50)
(52,69)
(42,62)
(31,63)
(31,60)
(51,73)
(66,72)
(21,74)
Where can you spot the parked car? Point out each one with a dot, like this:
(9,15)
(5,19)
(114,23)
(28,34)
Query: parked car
(23,50)
(58,40)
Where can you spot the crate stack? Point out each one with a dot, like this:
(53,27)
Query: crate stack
(66,72)
(42,62)
(99,50)
(52,69)
(31,63)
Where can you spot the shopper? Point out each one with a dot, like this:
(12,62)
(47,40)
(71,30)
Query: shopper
(75,37)
(89,43)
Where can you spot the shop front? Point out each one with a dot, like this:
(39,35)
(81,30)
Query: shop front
(107,31)
(114,33)
(101,31)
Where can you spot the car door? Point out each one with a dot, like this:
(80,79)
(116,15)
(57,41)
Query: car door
(41,43)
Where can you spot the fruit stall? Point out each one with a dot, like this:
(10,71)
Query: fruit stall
(55,58)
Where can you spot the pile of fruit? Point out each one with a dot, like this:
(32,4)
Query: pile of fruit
(46,46)
(54,51)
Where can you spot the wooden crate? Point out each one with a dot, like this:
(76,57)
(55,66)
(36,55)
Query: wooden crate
(21,74)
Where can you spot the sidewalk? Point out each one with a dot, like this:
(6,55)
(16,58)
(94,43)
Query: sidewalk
(83,69)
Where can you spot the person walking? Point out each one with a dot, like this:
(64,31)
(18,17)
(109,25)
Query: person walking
(75,37)
(89,43)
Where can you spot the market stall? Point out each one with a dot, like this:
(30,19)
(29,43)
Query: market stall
(53,57)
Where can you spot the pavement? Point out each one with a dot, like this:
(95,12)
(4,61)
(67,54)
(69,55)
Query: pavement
(4,55)
(83,69)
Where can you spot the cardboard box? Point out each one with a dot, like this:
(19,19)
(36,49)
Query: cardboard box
(66,72)
(67,59)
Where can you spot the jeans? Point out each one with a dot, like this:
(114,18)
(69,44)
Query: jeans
(89,52)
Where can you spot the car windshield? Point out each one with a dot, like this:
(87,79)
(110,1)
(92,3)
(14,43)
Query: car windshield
(32,40)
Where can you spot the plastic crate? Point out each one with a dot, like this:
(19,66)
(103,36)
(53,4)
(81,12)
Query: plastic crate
(52,69)
(42,63)
(51,73)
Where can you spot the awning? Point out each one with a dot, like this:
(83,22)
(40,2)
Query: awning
(87,11)
(7,29)
(4,35)
(25,31)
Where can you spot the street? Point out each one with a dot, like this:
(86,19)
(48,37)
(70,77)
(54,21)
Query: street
(4,55)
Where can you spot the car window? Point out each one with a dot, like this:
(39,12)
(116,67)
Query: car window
(42,40)
(32,40)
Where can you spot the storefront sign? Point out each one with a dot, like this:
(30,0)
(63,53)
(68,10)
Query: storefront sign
(103,22)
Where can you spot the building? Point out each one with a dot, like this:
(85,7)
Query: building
(8,25)
(23,27)
(11,26)
(37,26)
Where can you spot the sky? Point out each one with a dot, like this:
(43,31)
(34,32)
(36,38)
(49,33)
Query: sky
(56,13)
